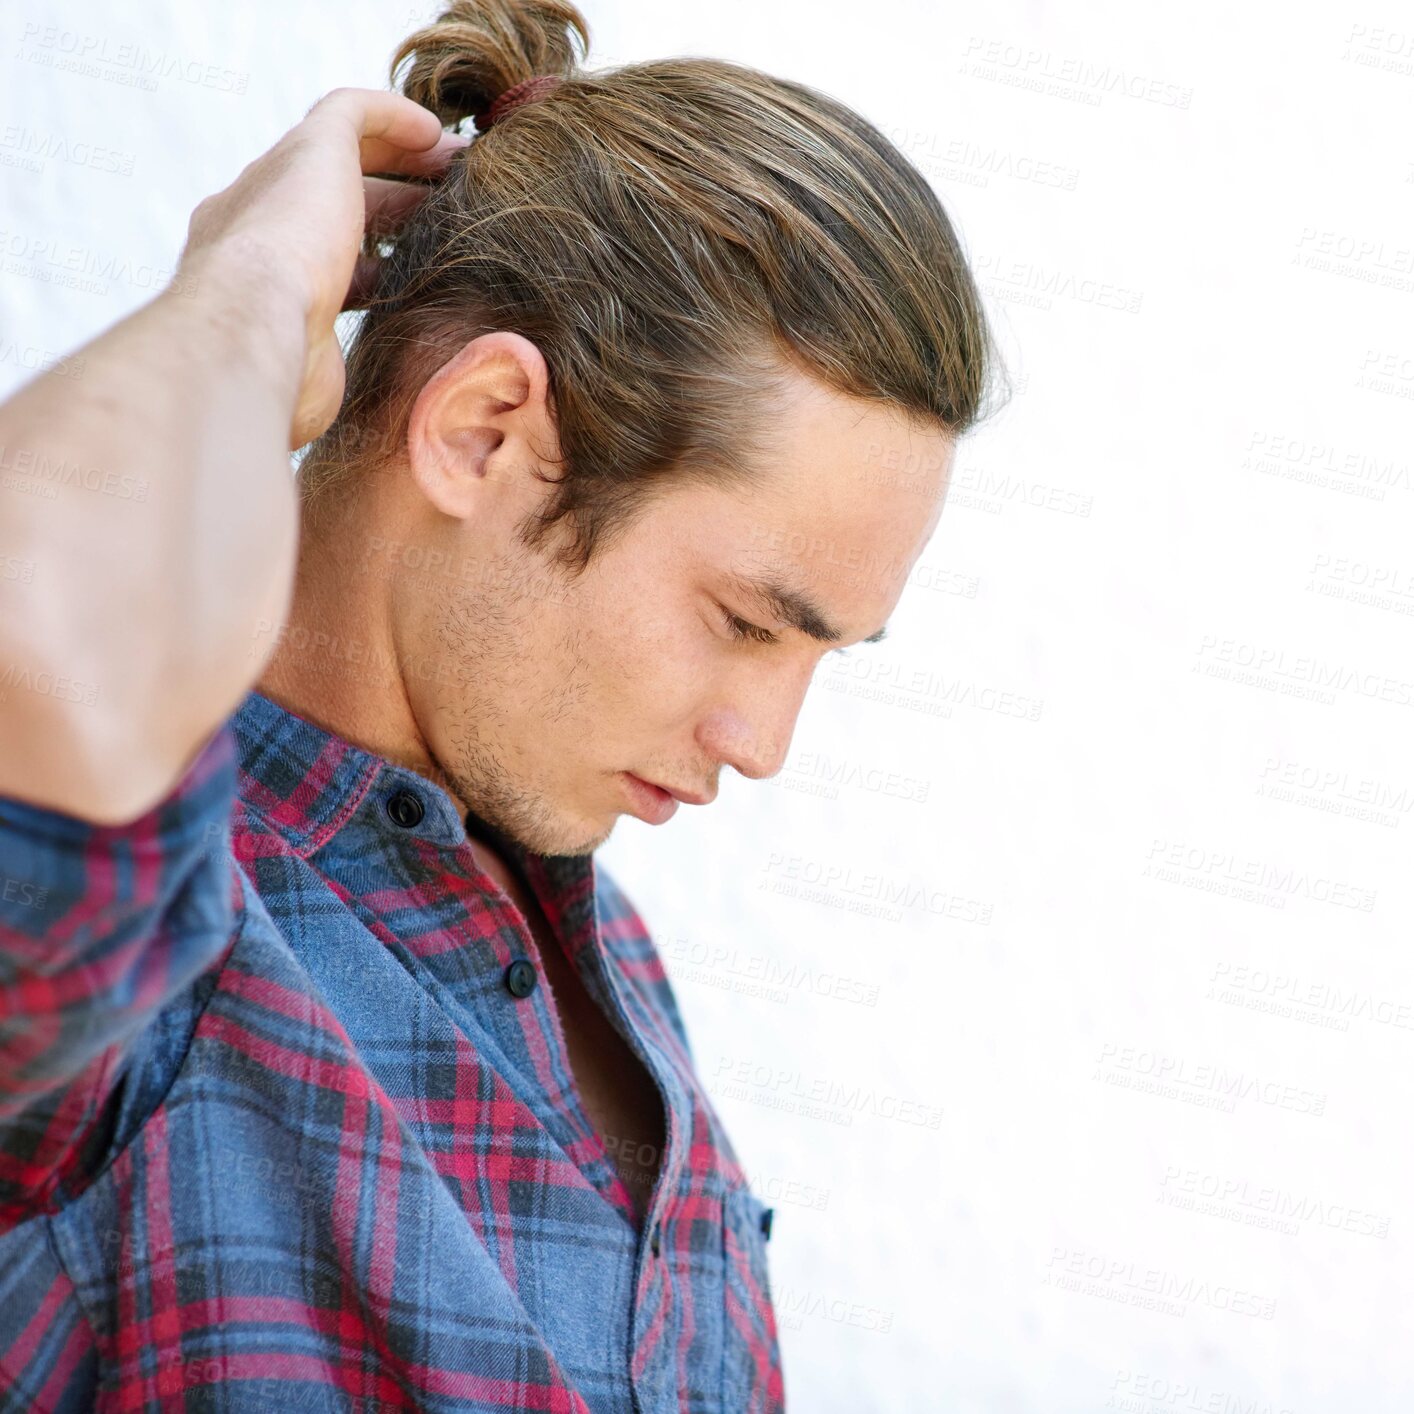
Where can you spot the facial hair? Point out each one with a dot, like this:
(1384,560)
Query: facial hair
(484,636)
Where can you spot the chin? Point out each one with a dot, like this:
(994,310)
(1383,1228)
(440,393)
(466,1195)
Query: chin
(585,840)
(529,813)
(565,834)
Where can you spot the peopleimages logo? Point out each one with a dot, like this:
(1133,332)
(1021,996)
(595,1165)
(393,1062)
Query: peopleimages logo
(1136,1392)
(779,1087)
(1205,1085)
(1063,75)
(818,773)
(134,65)
(25,462)
(1265,1204)
(1093,1273)
(722,965)
(1265,665)
(795,874)
(1168,860)
(1291,994)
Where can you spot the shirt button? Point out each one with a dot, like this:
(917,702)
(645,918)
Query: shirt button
(766,1215)
(655,1243)
(404,809)
(520,978)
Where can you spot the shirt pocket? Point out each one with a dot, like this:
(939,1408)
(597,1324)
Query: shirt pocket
(751,1362)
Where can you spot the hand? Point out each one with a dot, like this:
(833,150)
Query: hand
(296,216)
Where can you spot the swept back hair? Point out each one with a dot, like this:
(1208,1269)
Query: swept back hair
(673,236)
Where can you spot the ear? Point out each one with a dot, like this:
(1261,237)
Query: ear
(481,425)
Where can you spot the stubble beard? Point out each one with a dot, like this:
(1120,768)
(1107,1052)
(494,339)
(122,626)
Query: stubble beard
(486,638)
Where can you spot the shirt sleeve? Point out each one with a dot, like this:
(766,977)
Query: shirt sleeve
(100,927)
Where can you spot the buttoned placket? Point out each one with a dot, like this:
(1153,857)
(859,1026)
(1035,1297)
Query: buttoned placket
(603,983)
(419,811)
(417,808)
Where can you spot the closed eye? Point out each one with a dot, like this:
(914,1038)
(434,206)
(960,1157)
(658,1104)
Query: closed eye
(741,630)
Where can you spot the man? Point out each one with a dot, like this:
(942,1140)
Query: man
(333,1073)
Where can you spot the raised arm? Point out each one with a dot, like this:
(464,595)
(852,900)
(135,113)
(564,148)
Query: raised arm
(150,508)
(150,505)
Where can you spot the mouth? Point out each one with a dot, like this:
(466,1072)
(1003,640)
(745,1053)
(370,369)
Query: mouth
(663,801)
(650,803)
(682,796)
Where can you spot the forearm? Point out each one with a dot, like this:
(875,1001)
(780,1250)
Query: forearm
(150,524)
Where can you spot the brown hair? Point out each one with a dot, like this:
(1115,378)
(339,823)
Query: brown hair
(672,236)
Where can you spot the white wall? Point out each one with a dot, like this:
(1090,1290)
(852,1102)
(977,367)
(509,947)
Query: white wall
(1146,980)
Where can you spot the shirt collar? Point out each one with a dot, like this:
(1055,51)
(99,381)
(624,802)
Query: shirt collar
(307,783)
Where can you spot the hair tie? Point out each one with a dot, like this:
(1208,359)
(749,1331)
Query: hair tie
(526,91)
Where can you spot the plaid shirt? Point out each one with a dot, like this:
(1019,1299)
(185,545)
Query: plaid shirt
(278,1133)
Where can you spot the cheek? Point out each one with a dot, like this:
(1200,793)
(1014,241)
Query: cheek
(659,663)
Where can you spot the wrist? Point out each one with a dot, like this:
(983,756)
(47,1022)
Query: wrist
(254,303)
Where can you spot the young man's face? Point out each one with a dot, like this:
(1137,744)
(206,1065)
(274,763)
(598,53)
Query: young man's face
(550,688)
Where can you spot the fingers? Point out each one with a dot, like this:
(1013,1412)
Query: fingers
(388,204)
(430,163)
(364,283)
(394,134)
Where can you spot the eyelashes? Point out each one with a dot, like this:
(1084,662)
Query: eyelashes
(740,630)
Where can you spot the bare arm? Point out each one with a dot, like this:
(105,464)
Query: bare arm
(147,510)
(150,504)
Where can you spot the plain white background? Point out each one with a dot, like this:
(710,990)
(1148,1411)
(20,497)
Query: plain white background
(1058,991)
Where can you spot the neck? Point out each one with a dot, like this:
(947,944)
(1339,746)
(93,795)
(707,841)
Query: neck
(336,662)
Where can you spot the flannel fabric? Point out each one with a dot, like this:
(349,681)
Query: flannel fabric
(278,1132)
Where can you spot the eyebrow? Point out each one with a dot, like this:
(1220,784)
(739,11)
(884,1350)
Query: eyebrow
(795,608)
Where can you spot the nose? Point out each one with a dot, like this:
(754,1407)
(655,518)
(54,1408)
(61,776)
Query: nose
(752,731)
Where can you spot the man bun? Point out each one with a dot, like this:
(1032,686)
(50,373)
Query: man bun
(475,50)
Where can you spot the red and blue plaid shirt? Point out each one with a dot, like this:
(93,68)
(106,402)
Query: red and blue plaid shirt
(276,1133)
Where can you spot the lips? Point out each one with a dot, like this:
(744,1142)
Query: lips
(685,797)
(652,803)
